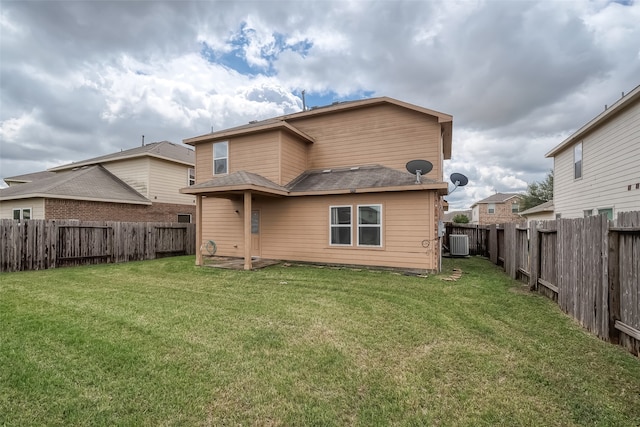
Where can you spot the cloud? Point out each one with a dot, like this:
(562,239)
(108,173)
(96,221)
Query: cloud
(82,79)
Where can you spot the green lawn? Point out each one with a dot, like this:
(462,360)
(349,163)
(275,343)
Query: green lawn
(165,343)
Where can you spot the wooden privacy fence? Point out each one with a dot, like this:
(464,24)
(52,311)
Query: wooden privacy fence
(42,244)
(589,266)
(478,237)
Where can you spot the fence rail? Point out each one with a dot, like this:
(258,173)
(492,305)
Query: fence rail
(43,244)
(589,266)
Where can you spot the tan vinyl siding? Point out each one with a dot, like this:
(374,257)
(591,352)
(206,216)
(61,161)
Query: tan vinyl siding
(297,229)
(611,162)
(204,162)
(385,134)
(166,178)
(256,153)
(134,172)
(35,204)
(293,160)
(223,225)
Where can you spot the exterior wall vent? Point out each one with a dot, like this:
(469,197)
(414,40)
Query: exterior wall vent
(459,245)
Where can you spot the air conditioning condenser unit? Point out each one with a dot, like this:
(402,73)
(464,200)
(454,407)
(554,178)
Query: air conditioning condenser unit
(459,245)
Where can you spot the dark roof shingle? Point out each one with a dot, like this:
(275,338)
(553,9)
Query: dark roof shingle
(353,178)
(86,183)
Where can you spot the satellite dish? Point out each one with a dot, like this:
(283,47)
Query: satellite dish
(419,168)
(458,180)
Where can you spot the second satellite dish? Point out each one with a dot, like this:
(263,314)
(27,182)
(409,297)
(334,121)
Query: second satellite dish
(419,168)
(458,180)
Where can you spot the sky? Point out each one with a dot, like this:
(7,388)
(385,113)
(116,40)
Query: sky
(79,79)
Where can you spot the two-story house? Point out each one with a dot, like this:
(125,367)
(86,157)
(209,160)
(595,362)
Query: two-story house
(139,184)
(326,185)
(597,169)
(497,209)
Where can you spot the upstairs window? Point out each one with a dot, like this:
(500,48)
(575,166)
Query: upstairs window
(577,161)
(22,214)
(340,225)
(491,208)
(515,207)
(370,225)
(220,158)
(191,176)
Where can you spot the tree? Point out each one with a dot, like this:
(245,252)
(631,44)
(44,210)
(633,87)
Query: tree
(538,193)
(461,219)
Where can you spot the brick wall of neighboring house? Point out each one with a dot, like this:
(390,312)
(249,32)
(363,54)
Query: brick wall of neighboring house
(502,214)
(100,211)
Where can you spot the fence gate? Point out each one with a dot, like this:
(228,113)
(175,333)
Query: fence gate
(170,241)
(83,244)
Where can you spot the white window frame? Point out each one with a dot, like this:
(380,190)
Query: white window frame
(491,208)
(21,213)
(379,226)
(220,158)
(517,205)
(191,177)
(332,225)
(578,148)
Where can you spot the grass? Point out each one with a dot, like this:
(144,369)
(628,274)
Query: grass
(165,343)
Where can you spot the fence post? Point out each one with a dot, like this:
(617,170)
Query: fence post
(534,255)
(614,284)
(493,243)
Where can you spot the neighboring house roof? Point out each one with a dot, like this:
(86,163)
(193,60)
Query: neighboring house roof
(608,114)
(29,177)
(93,183)
(162,150)
(498,198)
(448,217)
(544,207)
(330,181)
(286,122)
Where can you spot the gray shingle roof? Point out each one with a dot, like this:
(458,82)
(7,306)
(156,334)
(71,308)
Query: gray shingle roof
(164,149)
(28,177)
(353,178)
(544,207)
(498,198)
(330,180)
(448,216)
(87,183)
(240,178)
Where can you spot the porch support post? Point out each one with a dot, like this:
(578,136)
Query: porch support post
(247,230)
(198,230)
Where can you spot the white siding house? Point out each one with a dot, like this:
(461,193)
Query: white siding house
(597,169)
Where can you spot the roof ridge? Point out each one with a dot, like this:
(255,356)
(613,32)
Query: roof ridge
(66,177)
